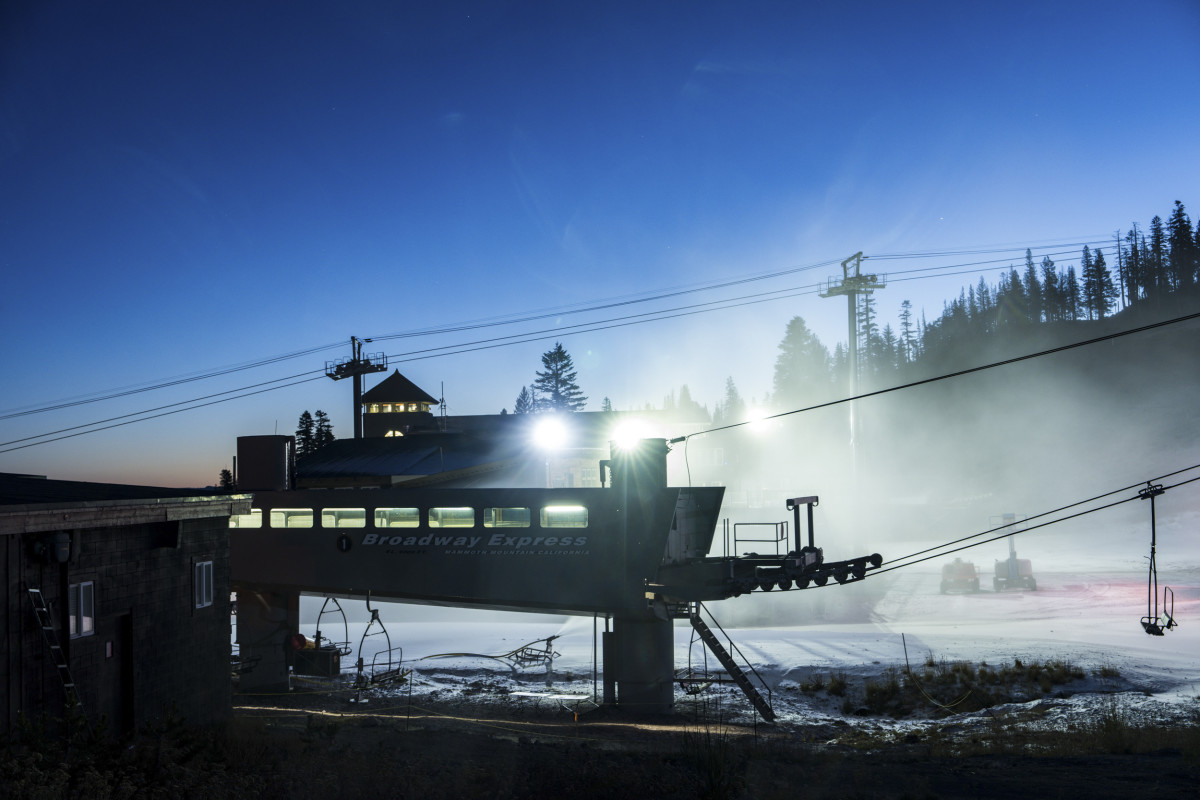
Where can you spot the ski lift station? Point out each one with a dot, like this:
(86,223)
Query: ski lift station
(633,551)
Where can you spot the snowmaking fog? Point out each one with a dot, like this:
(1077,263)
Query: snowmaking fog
(1085,614)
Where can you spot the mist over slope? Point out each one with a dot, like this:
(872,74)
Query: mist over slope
(945,459)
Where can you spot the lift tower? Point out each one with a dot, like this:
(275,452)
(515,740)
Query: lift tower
(355,367)
(852,285)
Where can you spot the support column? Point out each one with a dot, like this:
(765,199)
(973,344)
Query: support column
(644,660)
(265,624)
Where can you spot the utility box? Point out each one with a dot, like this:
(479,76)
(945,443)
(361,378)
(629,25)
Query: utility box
(320,662)
(265,463)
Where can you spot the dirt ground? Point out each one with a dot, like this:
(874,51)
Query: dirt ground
(463,750)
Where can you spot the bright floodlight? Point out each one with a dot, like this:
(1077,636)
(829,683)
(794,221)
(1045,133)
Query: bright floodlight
(629,433)
(550,433)
(757,418)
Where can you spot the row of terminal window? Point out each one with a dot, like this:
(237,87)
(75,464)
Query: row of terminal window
(395,408)
(448,517)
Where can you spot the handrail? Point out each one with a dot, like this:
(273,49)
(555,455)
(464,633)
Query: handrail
(733,648)
(780,535)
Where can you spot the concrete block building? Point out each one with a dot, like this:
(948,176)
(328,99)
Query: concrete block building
(116,598)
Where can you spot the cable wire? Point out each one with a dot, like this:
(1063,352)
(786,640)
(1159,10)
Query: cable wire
(156,416)
(947,376)
(512,320)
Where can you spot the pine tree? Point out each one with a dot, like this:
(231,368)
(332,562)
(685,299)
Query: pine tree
(1051,292)
(1134,268)
(732,408)
(556,386)
(841,365)
(987,307)
(1182,258)
(1196,249)
(323,435)
(906,332)
(1011,296)
(226,481)
(868,331)
(525,402)
(802,367)
(1158,281)
(688,409)
(1070,295)
(606,404)
(1091,282)
(889,349)
(1106,293)
(306,443)
(1033,289)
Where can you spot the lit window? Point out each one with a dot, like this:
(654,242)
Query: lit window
(343,518)
(202,584)
(394,433)
(412,406)
(251,520)
(506,518)
(81,601)
(452,518)
(397,518)
(291,518)
(564,517)
(373,408)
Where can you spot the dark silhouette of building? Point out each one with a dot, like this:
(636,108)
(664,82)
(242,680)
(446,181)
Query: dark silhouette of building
(116,602)
(395,407)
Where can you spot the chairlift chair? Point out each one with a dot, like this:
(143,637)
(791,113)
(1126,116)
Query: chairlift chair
(1158,625)
(362,679)
(343,647)
(1155,623)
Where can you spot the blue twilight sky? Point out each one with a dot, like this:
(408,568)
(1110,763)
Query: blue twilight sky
(189,186)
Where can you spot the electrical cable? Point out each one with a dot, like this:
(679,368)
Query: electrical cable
(947,376)
(166,383)
(417,355)
(911,560)
(501,321)
(483,344)
(156,416)
(601,306)
(1047,513)
(602,325)
(158,408)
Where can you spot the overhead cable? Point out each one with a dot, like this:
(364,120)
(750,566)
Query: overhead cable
(947,376)
(156,416)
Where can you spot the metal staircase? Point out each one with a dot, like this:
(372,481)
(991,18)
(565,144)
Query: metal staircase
(50,634)
(739,675)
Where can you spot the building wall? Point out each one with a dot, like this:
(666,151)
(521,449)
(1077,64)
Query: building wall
(152,654)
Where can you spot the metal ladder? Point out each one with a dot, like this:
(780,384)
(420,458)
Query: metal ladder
(726,658)
(50,634)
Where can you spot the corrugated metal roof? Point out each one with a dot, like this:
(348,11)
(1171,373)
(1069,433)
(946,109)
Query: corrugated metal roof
(419,454)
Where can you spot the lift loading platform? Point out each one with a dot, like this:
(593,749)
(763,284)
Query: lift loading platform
(634,552)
